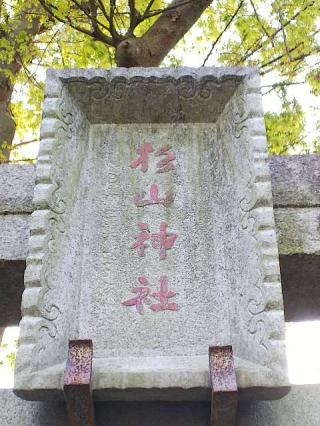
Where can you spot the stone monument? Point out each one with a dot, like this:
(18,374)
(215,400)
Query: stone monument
(153,235)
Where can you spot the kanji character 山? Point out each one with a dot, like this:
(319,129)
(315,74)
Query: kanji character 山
(166,201)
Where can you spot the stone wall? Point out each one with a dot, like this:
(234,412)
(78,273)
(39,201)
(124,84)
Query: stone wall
(296,193)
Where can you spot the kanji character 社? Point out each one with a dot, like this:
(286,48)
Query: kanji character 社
(143,292)
(163,296)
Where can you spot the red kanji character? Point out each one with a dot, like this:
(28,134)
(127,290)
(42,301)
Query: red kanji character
(142,161)
(167,164)
(144,236)
(143,292)
(163,241)
(163,296)
(166,201)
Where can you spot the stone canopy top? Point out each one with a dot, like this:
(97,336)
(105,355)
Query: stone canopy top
(152,95)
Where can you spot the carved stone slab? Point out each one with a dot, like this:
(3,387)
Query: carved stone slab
(153,235)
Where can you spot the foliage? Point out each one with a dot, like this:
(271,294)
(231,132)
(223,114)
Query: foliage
(8,358)
(285,130)
(277,36)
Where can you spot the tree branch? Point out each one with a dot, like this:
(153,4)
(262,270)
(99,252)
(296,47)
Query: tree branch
(113,30)
(162,36)
(135,17)
(97,35)
(294,59)
(93,15)
(260,22)
(104,11)
(166,9)
(148,8)
(223,31)
(259,44)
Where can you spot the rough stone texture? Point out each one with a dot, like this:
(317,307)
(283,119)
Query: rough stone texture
(299,407)
(295,186)
(298,230)
(14,232)
(16,188)
(224,266)
(16,412)
(295,181)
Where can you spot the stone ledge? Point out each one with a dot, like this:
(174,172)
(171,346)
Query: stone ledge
(295,180)
(299,407)
(14,235)
(16,188)
(295,183)
(298,230)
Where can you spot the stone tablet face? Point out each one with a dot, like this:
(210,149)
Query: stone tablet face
(153,235)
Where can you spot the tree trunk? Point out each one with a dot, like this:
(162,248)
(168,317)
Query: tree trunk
(7,123)
(20,25)
(162,36)
(2,329)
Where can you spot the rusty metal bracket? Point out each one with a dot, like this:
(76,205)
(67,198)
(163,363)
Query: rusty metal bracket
(77,383)
(224,402)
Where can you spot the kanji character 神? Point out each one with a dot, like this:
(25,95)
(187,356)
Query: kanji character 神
(141,238)
(143,293)
(142,161)
(163,241)
(163,296)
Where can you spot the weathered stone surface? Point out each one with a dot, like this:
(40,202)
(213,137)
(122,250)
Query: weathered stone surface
(16,188)
(297,234)
(14,236)
(298,230)
(14,411)
(295,183)
(295,180)
(299,407)
(222,270)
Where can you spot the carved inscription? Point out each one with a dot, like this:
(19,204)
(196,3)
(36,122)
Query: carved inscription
(145,296)
(154,198)
(163,240)
(163,166)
